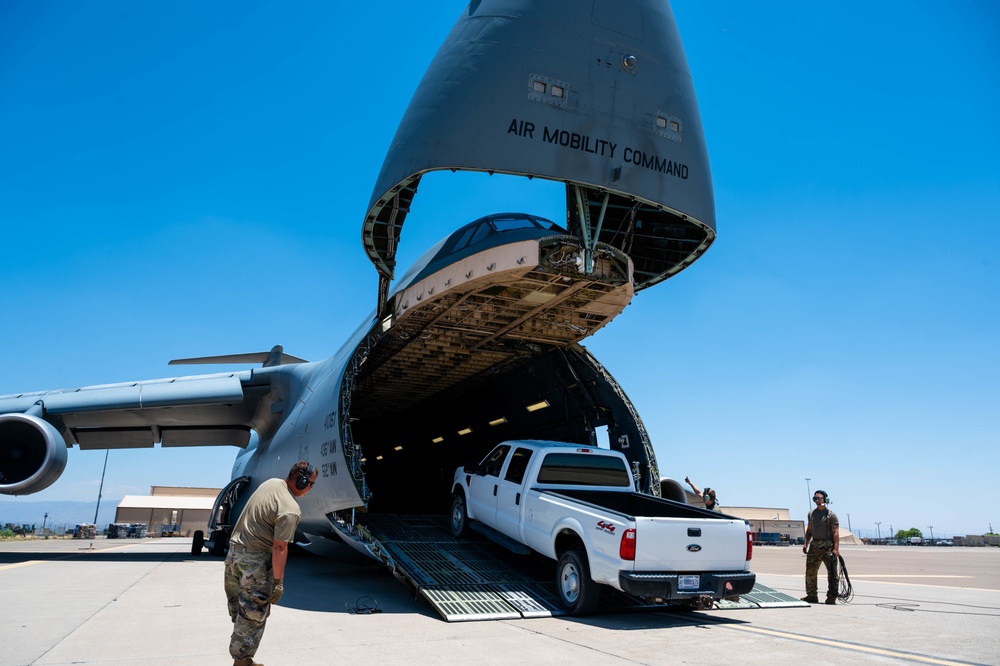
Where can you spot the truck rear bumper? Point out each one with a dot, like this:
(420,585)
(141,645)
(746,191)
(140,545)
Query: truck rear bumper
(665,586)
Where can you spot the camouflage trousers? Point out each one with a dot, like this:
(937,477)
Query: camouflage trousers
(821,552)
(248,585)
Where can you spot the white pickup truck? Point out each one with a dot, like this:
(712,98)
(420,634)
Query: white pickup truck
(578,506)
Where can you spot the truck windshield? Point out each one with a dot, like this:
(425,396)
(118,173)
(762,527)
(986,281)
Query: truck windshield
(584,470)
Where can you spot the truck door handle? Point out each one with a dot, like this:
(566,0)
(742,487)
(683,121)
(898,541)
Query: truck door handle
(517,499)
(494,490)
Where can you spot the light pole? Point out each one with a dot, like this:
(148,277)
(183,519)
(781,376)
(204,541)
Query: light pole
(810,500)
(849,524)
(878,526)
(931,528)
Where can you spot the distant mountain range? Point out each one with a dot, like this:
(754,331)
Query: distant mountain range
(62,515)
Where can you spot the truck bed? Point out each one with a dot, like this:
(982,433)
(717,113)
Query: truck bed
(637,504)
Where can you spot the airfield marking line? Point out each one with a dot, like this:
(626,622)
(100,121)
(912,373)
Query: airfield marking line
(889,582)
(907,576)
(20,564)
(880,575)
(108,550)
(82,552)
(847,646)
(932,587)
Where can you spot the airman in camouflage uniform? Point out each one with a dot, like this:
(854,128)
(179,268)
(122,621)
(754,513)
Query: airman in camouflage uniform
(823,531)
(258,549)
(249,584)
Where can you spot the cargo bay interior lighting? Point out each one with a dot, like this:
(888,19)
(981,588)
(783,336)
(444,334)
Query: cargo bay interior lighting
(538,405)
(465,431)
(499,421)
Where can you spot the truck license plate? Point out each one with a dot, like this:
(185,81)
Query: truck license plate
(689,582)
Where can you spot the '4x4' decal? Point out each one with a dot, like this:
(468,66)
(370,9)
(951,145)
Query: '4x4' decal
(606,526)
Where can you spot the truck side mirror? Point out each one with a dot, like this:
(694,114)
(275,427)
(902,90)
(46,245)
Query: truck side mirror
(471,468)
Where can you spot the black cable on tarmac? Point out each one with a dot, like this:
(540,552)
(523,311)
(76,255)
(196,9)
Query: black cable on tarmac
(845,590)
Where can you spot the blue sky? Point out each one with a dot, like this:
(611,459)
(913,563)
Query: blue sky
(188,179)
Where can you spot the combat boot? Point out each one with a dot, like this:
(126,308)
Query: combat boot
(809,598)
(246,661)
(831,601)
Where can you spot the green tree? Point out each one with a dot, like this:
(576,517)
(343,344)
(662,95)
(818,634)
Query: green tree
(906,534)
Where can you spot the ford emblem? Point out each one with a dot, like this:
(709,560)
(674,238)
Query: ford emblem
(694,548)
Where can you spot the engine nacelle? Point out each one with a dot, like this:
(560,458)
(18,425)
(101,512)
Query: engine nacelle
(672,490)
(32,454)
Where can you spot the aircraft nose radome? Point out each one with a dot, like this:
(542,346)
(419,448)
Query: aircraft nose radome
(596,96)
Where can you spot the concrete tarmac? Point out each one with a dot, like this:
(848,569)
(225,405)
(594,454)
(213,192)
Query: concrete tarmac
(151,602)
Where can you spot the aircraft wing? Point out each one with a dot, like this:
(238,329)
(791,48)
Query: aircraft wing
(205,410)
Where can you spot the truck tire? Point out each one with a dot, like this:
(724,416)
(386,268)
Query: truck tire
(578,593)
(459,516)
(197,542)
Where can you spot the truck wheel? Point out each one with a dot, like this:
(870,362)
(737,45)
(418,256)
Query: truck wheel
(459,517)
(578,593)
(197,542)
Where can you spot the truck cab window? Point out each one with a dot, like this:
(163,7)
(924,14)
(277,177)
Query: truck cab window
(518,465)
(494,462)
(566,468)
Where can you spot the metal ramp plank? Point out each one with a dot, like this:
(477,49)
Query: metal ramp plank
(530,600)
(469,603)
(431,564)
(762,596)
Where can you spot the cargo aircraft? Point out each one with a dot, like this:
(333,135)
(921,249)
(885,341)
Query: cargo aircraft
(480,340)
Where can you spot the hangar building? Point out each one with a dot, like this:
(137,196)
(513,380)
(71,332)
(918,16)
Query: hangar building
(168,510)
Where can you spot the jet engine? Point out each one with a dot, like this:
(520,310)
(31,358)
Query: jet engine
(672,490)
(32,454)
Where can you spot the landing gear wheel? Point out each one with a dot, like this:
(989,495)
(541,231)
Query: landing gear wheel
(577,591)
(220,542)
(459,516)
(197,542)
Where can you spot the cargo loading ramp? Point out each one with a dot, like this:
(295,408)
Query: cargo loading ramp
(473,578)
(463,579)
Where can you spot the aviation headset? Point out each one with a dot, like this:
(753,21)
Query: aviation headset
(826,498)
(302,477)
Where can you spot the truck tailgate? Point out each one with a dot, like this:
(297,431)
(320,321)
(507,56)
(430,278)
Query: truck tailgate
(690,544)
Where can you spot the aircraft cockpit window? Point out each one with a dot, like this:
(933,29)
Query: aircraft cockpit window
(515,222)
(462,240)
(482,231)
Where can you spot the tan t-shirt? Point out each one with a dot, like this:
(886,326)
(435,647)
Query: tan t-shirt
(271,514)
(824,524)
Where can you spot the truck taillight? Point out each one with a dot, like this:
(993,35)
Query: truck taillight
(749,545)
(627,548)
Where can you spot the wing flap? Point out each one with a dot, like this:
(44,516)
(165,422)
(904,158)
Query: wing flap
(99,439)
(91,439)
